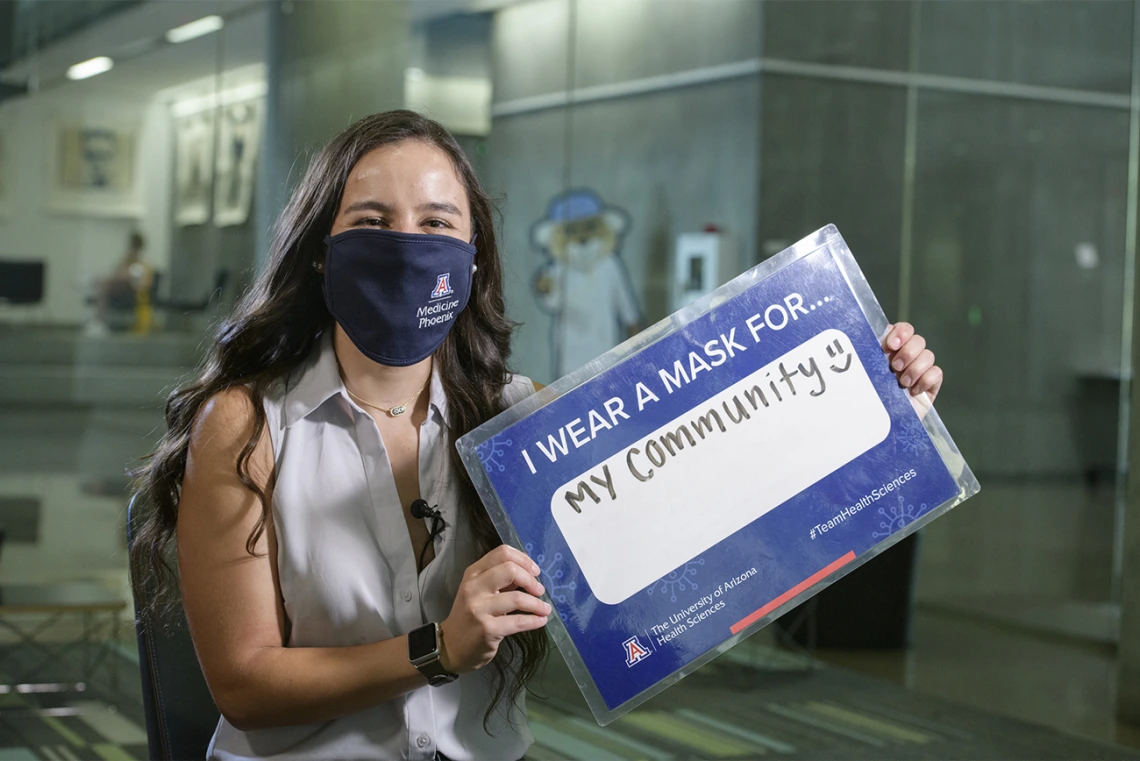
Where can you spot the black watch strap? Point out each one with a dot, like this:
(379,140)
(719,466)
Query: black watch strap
(436,674)
(424,647)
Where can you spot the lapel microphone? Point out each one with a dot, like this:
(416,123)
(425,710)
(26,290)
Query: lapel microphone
(420,510)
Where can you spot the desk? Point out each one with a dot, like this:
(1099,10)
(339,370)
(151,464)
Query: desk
(98,610)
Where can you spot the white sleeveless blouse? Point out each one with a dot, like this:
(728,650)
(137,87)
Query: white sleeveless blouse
(348,575)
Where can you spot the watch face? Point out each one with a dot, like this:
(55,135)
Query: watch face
(421,641)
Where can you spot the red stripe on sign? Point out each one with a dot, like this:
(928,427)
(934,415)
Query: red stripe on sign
(752,618)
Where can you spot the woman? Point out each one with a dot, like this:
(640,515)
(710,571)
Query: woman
(294,469)
(126,290)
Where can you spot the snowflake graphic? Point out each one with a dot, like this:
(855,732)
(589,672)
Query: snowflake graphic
(677,581)
(897,517)
(555,572)
(914,438)
(492,451)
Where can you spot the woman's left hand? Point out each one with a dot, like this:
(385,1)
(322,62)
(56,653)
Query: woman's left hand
(912,363)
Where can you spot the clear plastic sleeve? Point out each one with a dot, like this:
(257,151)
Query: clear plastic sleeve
(686,488)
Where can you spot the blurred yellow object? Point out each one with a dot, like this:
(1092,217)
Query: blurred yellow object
(144,313)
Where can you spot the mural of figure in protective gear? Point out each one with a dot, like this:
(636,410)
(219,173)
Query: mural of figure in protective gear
(583,283)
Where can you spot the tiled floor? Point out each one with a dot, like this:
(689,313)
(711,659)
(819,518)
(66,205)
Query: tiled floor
(1008,671)
(753,702)
(1045,540)
(747,706)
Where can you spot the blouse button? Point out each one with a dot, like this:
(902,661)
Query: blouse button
(423,741)
(407,596)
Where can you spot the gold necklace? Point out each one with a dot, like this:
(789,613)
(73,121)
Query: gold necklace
(396,411)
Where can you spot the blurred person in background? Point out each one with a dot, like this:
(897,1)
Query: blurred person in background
(333,617)
(122,299)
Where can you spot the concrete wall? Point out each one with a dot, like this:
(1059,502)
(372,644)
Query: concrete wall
(330,64)
(675,160)
(1006,190)
(1006,193)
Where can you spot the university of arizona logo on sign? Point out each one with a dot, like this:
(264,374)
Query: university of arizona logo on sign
(634,651)
(442,286)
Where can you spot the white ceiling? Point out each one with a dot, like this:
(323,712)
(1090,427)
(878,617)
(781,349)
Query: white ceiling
(144,62)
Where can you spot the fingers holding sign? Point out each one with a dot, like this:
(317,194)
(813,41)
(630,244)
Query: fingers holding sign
(498,597)
(911,362)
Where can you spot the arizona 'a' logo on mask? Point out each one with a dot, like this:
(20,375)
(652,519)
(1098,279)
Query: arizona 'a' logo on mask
(442,286)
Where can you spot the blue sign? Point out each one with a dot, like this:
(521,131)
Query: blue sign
(685,489)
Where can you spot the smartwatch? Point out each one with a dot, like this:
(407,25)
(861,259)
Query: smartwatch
(424,645)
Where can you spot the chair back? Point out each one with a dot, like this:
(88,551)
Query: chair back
(180,713)
(221,277)
(220,280)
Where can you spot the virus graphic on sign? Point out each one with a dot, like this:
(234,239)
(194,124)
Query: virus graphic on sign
(679,580)
(914,438)
(491,453)
(895,518)
(555,573)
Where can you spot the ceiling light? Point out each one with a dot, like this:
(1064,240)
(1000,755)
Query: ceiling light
(90,68)
(212,100)
(204,25)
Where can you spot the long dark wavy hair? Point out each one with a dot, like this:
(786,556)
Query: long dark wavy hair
(275,327)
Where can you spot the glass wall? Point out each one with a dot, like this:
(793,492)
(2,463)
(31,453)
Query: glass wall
(128,223)
(975,156)
(127,227)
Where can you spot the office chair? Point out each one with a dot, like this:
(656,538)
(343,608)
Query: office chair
(180,713)
(185,306)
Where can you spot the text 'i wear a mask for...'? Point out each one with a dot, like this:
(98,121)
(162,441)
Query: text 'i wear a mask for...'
(396,295)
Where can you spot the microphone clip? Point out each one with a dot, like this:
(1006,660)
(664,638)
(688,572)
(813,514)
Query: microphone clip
(420,509)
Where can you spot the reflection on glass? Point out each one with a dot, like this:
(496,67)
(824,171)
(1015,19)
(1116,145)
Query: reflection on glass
(1011,197)
(134,205)
(867,33)
(1067,43)
(833,152)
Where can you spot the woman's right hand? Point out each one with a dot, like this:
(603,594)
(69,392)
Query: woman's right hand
(497,597)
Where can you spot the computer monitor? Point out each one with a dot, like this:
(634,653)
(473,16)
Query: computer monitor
(21,282)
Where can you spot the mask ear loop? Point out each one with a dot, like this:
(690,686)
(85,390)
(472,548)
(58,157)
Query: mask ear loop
(319,264)
(474,267)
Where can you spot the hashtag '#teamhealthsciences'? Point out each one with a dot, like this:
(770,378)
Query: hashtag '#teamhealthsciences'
(870,498)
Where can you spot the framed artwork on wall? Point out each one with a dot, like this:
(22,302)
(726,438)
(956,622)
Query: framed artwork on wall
(193,168)
(94,168)
(238,139)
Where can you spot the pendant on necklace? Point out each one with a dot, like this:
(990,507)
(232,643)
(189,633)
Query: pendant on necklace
(399,410)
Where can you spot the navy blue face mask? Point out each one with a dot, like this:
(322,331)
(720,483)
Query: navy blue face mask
(395,294)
